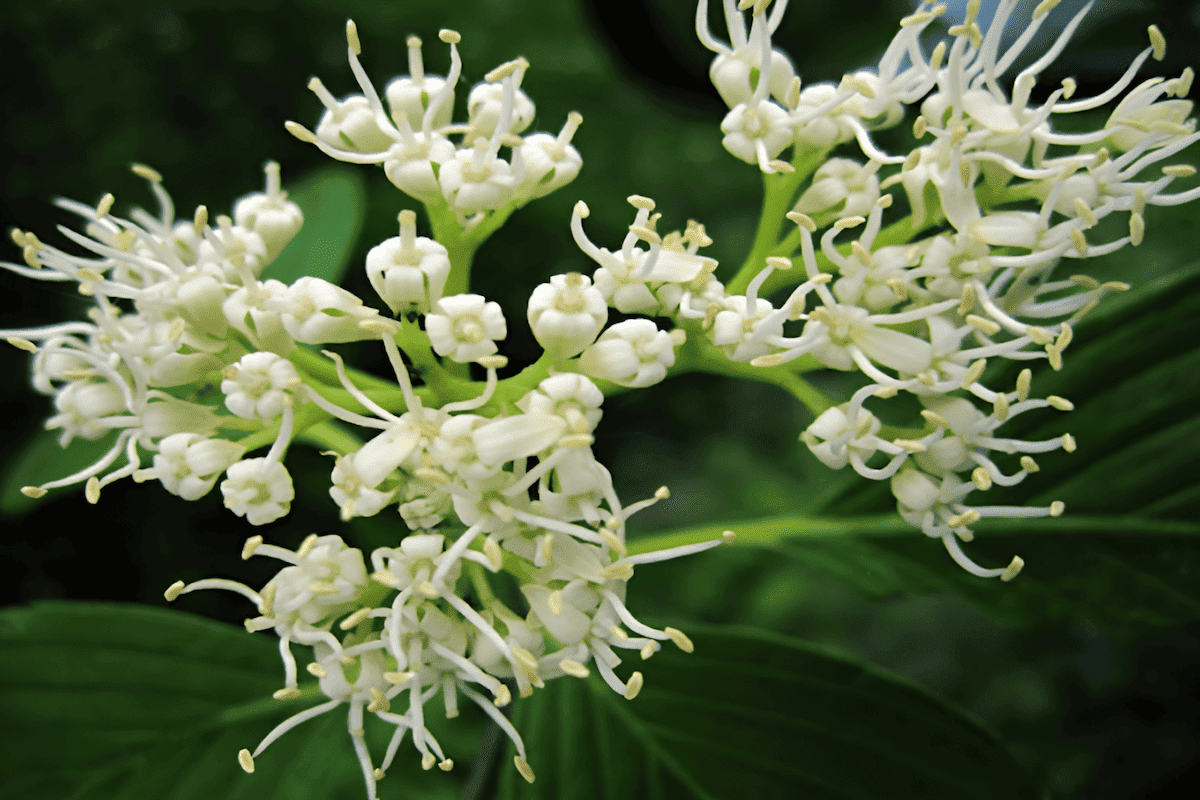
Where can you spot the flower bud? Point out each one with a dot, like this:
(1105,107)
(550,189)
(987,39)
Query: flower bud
(566,314)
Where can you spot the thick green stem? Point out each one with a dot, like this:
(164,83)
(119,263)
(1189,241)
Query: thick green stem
(331,436)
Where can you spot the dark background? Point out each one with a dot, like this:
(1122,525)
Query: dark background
(199,90)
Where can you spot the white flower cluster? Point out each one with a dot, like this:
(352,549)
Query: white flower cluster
(404,633)
(925,315)
(410,137)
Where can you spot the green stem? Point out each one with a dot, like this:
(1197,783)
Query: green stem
(779,194)
(331,436)
(478,577)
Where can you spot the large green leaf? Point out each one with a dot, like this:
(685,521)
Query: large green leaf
(114,701)
(752,715)
(333,200)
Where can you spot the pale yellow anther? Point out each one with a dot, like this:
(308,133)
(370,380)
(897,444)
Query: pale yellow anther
(378,774)
(323,587)
(524,768)
(445,765)
(645,234)
(397,678)
(1065,337)
(1028,464)
(1054,356)
(427,761)
(937,56)
(105,205)
(919,18)
(779,166)
(680,639)
(886,392)
(250,546)
(449,37)
(125,240)
(1060,403)
(385,578)
(648,649)
(492,361)
(574,668)
(300,132)
(981,478)
(1069,86)
(845,223)
(1044,8)
(910,163)
(779,262)
(1039,336)
(503,696)
(1000,406)
(287,693)
(1057,508)
(927,378)
(555,602)
(1068,442)
(173,591)
(432,475)
(91,490)
(859,85)
(29,253)
(379,701)
(352,37)
(33,491)
(803,220)
(911,445)
(354,619)
(1084,211)
(1158,42)
(935,419)
(793,94)
(379,327)
(613,541)
(1013,569)
(1116,286)
(983,324)
(634,686)
(662,493)
(861,253)
(577,441)
(968,517)
(1179,170)
(428,589)
(246,760)
(1080,242)
(316,670)
(22,344)
(898,288)
(148,173)
(618,572)
(958,133)
(307,545)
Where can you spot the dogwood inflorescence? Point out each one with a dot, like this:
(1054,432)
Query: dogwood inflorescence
(202,373)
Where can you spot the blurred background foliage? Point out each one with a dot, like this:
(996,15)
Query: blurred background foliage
(1096,705)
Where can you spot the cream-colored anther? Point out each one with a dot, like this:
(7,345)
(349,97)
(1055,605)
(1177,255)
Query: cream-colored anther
(648,649)
(1179,170)
(1116,286)
(354,619)
(307,545)
(449,37)
(524,768)
(1044,8)
(1039,336)
(173,591)
(1069,86)
(1060,403)
(1080,242)
(779,262)
(932,417)
(680,639)
(617,572)
(385,578)
(1024,381)
(492,361)
(911,445)
(246,760)
(323,587)
(1028,464)
(22,344)
(803,220)
(1013,569)
(555,602)
(1068,442)
(958,133)
(91,490)
(574,668)
(379,701)
(640,202)
(1000,407)
(300,132)
(662,493)
(981,478)
(428,589)
(446,764)
(1057,508)
(613,541)
(250,546)
(918,18)
(920,127)
(847,223)
(1054,356)
(427,761)
(968,517)
(729,537)
(859,85)
(938,54)
(983,324)
(398,678)
(316,670)
(352,39)
(149,173)
(503,696)
(1158,42)
(886,392)
(33,491)
(898,288)
(780,166)
(287,693)
(910,163)
(1084,211)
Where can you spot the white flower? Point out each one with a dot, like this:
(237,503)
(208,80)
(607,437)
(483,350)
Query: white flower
(188,464)
(270,214)
(549,162)
(465,327)
(408,271)
(411,96)
(315,311)
(566,314)
(259,385)
(631,353)
(258,489)
(841,187)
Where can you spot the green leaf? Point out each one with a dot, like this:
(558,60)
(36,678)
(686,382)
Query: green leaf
(1072,563)
(43,460)
(333,200)
(753,715)
(114,701)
